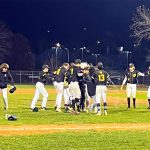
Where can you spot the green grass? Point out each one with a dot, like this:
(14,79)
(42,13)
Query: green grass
(124,140)
(19,105)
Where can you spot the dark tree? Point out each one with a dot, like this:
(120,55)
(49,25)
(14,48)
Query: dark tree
(21,57)
(141,24)
(5,41)
(141,27)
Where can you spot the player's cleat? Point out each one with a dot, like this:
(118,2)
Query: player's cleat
(148,107)
(55,107)
(70,109)
(66,110)
(58,110)
(75,112)
(44,108)
(99,113)
(84,110)
(105,112)
(5,108)
(128,108)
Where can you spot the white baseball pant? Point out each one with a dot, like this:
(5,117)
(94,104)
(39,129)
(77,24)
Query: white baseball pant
(87,97)
(66,95)
(131,90)
(74,90)
(40,89)
(101,93)
(59,86)
(5,98)
(148,92)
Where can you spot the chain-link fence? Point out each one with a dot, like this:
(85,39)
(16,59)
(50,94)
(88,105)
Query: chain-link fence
(31,77)
(25,77)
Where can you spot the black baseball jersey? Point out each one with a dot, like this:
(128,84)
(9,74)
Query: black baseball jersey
(147,73)
(75,74)
(44,77)
(132,77)
(91,86)
(5,78)
(101,77)
(60,74)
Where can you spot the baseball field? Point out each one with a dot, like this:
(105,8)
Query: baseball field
(120,129)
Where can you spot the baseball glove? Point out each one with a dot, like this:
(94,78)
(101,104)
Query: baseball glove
(11,117)
(12,90)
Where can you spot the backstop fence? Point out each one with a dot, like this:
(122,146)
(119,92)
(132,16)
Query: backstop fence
(31,77)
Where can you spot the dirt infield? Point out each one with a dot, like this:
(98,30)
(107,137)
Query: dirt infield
(45,129)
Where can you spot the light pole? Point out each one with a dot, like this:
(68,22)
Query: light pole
(127,53)
(56,48)
(96,55)
(121,49)
(68,58)
(82,49)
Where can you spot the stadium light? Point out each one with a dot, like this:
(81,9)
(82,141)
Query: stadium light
(96,55)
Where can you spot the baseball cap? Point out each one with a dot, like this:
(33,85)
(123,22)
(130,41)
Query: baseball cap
(131,65)
(77,61)
(45,66)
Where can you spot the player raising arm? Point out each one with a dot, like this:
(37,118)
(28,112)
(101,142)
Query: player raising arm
(59,84)
(130,78)
(147,73)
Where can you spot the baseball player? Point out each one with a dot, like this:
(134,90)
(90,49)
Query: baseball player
(131,77)
(67,96)
(83,86)
(147,73)
(5,78)
(84,91)
(91,88)
(44,76)
(101,77)
(66,93)
(59,84)
(75,74)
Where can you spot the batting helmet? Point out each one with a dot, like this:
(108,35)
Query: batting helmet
(100,65)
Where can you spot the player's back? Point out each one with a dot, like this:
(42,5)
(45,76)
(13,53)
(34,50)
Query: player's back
(101,77)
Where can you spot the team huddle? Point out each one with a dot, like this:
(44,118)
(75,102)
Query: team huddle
(77,83)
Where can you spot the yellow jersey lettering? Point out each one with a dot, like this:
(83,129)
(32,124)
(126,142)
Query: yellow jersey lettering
(101,77)
(58,71)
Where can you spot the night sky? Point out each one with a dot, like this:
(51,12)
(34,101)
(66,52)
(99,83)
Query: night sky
(74,23)
(67,19)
